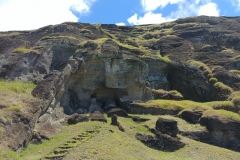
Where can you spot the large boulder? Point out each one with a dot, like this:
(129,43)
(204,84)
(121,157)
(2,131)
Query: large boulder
(117,111)
(160,141)
(75,118)
(191,116)
(167,126)
(97,116)
(223,127)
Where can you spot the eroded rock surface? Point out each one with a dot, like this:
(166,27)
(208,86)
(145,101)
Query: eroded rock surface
(167,126)
(224,132)
(160,141)
(122,64)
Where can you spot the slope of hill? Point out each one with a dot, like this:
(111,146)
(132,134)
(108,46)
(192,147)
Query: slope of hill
(133,67)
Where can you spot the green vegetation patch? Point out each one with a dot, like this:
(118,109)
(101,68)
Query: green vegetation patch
(213,80)
(235,98)
(223,87)
(25,50)
(236,72)
(222,115)
(58,37)
(158,55)
(110,143)
(16,86)
(184,25)
(207,71)
(226,105)
(176,105)
(14,95)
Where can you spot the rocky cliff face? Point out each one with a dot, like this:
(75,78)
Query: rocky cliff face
(71,61)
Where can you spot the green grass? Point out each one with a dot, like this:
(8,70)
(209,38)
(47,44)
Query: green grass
(226,105)
(213,80)
(207,71)
(8,155)
(14,95)
(235,98)
(188,105)
(3,34)
(158,55)
(228,50)
(16,86)
(176,105)
(58,37)
(222,115)
(184,25)
(237,72)
(110,143)
(25,50)
(236,58)
(223,88)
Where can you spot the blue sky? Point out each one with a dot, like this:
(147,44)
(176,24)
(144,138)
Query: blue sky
(33,14)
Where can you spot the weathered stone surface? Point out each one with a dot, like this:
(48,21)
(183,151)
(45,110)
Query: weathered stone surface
(167,126)
(116,123)
(224,132)
(97,116)
(139,119)
(75,118)
(160,141)
(71,61)
(163,94)
(117,111)
(191,116)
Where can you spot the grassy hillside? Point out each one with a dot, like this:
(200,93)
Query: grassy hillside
(110,143)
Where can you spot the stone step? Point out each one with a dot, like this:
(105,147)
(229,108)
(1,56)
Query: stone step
(66,147)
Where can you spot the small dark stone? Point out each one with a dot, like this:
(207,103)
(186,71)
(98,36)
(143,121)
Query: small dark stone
(120,127)
(116,123)
(191,117)
(118,111)
(167,126)
(75,118)
(139,119)
(114,120)
(97,116)
(160,141)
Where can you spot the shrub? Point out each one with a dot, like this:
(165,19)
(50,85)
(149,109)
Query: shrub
(207,71)
(213,80)
(235,98)
(223,88)
(237,72)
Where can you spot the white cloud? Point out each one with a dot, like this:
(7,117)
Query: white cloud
(236,3)
(32,14)
(151,5)
(209,9)
(184,9)
(121,24)
(148,18)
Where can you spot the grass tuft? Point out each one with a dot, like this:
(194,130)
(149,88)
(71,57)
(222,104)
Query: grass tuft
(223,88)
(207,71)
(222,115)
(24,50)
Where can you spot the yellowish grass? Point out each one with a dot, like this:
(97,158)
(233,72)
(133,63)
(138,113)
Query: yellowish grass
(15,94)
(176,105)
(207,71)
(110,143)
(223,88)
(222,115)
